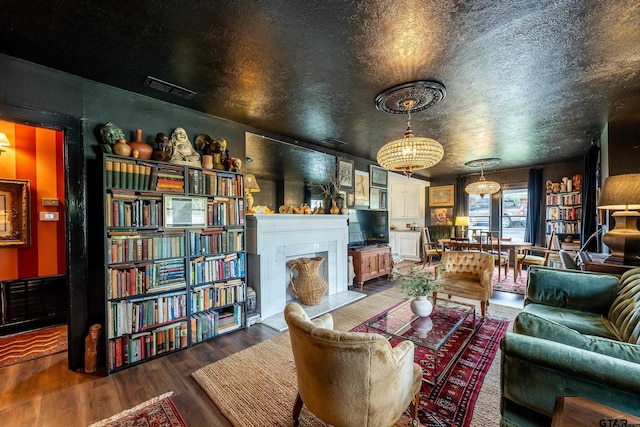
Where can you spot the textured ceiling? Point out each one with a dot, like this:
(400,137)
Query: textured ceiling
(526,81)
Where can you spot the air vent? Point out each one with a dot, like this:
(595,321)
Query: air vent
(169,88)
(332,142)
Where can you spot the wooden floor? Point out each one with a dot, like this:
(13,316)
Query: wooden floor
(43,392)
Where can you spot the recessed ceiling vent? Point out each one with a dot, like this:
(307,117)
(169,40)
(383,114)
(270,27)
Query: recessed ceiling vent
(169,88)
(332,142)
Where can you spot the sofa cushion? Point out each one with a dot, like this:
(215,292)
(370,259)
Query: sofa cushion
(625,310)
(571,289)
(581,321)
(529,324)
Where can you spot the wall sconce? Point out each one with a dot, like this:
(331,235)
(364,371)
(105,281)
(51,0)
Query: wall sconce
(4,142)
(621,193)
(250,186)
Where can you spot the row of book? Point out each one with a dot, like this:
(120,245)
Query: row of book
(133,348)
(215,183)
(573,227)
(133,316)
(562,213)
(139,279)
(210,323)
(143,176)
(217,295)
(125,209)
(222,211)
(216,240)
(564,199)
(218,267)
(140,247)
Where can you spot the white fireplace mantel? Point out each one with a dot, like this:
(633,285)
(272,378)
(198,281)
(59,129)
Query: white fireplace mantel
(273,240)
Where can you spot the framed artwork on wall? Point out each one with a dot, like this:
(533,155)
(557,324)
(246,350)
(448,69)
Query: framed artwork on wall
(383,200)
(362,188)
(344,169)
(442,216)
(441,196)
(379,177)
(15,211)
(351,199)
(374,199)
(185,211)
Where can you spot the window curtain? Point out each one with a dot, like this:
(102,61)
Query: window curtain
(589,202)
(534,191)
(462,201)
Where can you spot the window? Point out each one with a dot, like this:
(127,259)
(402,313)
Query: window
(479,213)
(514,213)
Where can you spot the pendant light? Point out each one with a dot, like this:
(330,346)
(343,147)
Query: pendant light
(482,186)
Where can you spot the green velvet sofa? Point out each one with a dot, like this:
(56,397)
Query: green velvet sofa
(578,335)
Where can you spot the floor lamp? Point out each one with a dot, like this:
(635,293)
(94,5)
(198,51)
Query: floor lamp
(621,193)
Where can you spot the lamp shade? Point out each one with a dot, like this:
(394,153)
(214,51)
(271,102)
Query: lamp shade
(482,187)
(621,192)
(410,154)
(462,221)
(250,184)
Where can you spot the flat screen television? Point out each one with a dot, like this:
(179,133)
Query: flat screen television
(367,228)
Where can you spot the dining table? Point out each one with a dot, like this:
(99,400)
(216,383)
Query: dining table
(510,246)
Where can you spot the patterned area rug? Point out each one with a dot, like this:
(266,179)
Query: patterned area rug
(157,412)
(257,386)
(33,344)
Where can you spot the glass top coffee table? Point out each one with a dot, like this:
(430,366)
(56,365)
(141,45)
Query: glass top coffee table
(431,333)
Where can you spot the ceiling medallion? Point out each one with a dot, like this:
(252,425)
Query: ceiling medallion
(482,186)
(423,93)
(409,153)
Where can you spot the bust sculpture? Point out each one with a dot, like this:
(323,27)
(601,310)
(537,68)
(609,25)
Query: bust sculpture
(182,151)
(110,135)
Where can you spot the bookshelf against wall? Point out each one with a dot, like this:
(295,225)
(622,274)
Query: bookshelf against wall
(175,260)
(564,216)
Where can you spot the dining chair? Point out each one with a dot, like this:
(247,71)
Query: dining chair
(493,246)
(429,249)
(536,255)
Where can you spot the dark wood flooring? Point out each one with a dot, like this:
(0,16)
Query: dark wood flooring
(43,392)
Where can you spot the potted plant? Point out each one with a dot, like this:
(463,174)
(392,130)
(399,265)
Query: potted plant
(419,285)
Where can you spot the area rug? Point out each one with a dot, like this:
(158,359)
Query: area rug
(30,345)
(157,412)
(257,386)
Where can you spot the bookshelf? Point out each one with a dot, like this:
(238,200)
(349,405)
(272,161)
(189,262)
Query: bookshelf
(564,216)
(174,258)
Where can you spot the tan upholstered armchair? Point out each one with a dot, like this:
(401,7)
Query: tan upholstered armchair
(350,378)
(467,274)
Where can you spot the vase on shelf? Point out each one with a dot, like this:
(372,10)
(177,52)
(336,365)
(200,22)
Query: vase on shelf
(335,210)
(421,306)
(144,149)
(207,161)
(121,148)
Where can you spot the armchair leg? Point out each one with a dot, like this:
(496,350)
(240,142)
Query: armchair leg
(413,410)
(297,407)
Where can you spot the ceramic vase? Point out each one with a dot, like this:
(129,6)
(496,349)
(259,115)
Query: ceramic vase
(335,210)
(207,161)
(144,149)
(421,306)
(121,148)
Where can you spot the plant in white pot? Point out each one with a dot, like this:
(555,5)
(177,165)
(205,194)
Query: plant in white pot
(419,285)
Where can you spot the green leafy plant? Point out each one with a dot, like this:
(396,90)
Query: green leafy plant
(417,283)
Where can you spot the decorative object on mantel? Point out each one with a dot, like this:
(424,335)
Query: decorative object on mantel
(304,209)
(121,148)
(418,284)
(250,186)
(309,286)
(410,153)
(162,152)
(182,152)
(111,134)
(144,150)
(621,193)
(4,142)
(482,186)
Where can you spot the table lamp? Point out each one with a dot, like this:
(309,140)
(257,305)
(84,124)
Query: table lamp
(462,221)
(621,193)
(250,186)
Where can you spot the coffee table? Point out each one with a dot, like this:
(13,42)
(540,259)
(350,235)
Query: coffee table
(431,332)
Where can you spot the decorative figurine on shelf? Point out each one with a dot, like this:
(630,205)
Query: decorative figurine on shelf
(162,152)
(231,163)
(549,186)
(110,136)
(91,349)
(182,152)
(577,182)
(212,147)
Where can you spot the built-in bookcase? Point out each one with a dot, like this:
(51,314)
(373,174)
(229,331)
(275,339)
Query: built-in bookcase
(564,217)
(174,257)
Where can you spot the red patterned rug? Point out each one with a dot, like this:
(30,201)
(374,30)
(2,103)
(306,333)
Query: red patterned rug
(451,401)
(33,344)
(157,412)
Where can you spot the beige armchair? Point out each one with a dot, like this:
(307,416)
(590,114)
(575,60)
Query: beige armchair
(351,378)
(467,274)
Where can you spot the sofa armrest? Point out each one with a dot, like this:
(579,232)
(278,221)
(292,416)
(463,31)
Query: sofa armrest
(572,289)
(535,371)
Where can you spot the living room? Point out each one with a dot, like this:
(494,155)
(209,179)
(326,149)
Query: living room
(67,166)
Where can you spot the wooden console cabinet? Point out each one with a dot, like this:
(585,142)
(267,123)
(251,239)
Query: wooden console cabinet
(371,262)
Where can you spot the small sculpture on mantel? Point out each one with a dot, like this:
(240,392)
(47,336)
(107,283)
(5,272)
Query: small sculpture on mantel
(182,152)
(110,136)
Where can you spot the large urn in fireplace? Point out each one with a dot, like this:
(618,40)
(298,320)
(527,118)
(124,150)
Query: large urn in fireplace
(308,286)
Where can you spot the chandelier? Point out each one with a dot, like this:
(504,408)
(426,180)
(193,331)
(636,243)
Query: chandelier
(482,186)
(410,153)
